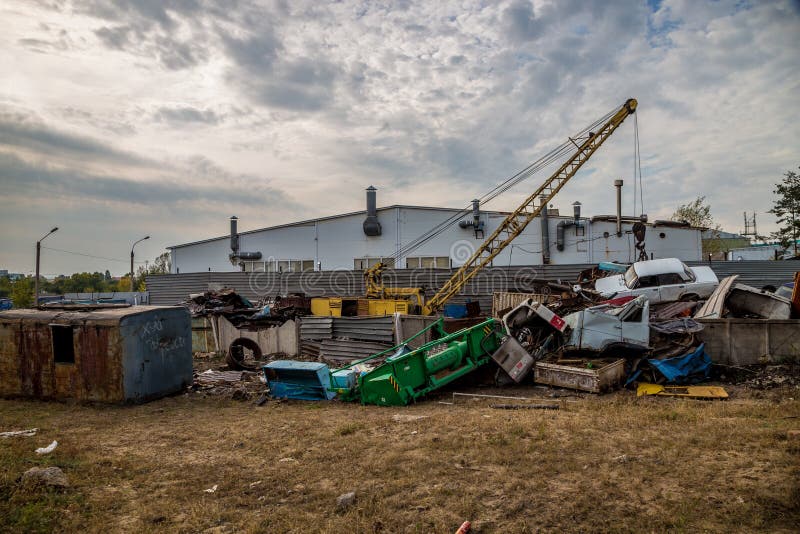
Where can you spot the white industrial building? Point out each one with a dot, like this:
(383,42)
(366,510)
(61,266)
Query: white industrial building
(359,239)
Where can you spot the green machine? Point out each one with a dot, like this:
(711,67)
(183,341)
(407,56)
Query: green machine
(403,378)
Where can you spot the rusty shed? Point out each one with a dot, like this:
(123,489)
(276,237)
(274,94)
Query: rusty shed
(95,353)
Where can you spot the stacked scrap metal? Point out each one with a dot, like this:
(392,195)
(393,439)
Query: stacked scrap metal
(742,301)
(345,339)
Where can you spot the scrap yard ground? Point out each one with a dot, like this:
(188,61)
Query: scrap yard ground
(609,463)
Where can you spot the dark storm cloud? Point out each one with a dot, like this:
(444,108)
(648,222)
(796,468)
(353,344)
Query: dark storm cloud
(23,132)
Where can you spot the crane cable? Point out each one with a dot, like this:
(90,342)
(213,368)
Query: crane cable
(554,155)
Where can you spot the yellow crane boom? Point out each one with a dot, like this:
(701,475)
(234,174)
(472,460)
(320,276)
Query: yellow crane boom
(515,223)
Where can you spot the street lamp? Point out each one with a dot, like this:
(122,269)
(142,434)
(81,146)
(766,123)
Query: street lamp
(38,253)
(134,245)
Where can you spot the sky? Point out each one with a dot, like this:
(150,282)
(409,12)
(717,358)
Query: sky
(126,118)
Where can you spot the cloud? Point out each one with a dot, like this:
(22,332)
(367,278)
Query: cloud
(186,115)
(21,178)
(23,131)
(435,102)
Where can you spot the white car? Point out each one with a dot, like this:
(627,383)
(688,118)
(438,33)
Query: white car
(664,280)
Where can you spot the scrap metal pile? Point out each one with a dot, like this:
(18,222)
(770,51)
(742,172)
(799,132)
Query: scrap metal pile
(645,332)
(270,311)
(637,326)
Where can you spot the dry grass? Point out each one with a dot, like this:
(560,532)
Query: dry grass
(613,463)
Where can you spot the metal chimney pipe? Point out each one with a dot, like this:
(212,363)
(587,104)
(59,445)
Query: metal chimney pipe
(372,227)
(618,185)
(476,211)
(234,234)
(372,209)
(545,232)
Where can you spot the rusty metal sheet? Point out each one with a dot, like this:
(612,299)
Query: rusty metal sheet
(715,305)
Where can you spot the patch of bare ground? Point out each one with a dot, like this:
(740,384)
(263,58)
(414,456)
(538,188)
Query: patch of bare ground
(612,463)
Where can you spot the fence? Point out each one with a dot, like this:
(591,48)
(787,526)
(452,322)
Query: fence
(175,288)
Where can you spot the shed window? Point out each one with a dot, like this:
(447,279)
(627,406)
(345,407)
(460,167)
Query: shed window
(63,349)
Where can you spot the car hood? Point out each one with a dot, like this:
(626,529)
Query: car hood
(704,274)
(610,284)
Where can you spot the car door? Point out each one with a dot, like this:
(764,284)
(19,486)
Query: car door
(648,286)
(671,287)
(635,323)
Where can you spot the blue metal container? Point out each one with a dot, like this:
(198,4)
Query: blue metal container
(299,380)
(456,311)
(344,379)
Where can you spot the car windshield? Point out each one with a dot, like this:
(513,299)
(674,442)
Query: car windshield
(687,273)
(630,278)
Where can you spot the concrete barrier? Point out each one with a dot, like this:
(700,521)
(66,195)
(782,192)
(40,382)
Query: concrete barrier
(751,341)
(278,339)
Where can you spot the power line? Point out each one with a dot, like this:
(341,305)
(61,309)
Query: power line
(554,155)
(92,256)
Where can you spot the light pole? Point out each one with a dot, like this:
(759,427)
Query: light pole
(134,245)
(38,253)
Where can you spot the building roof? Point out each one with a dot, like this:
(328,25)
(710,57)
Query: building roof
(331,217)
(719,234)
(404,206)
(71,316)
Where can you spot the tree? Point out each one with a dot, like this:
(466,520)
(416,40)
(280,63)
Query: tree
(697,213)
(787,209)
(161,265)
(5,286)
(22,292)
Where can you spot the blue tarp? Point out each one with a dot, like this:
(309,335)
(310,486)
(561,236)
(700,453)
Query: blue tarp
(687,369)
(690,368)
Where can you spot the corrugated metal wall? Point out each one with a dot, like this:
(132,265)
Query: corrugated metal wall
(175,288)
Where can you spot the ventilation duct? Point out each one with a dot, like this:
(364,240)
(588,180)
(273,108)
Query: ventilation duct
(545,232)
(372,227)
(234,235)
(235,254)
(618,185)
(476,221)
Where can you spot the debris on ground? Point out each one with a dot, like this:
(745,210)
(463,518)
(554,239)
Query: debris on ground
(407,418)
(524,406)
(44,476)
(47,450)
(689,392)
(345,500)
(238,385)
(19,433)
(769,376)
(212,489)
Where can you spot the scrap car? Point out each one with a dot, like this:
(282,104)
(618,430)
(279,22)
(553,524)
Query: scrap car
(662,280)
